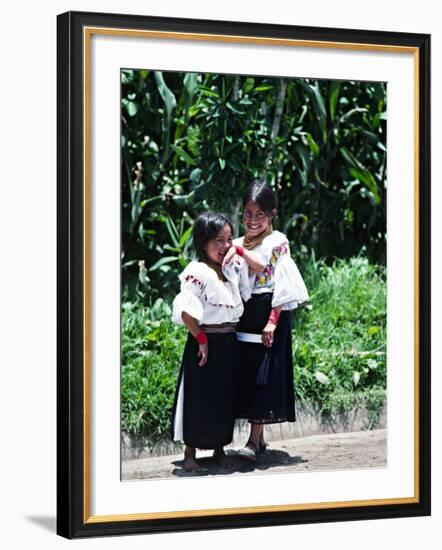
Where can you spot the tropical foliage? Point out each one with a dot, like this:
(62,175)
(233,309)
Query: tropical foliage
(193,141)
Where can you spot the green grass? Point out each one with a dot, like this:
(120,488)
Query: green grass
(151,357)
(338,343)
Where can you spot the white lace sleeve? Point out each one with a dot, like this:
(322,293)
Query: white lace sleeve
(289,290)
(189,297)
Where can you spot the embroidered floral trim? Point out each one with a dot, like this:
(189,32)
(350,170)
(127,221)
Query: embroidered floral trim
(228,306)
(265,277)
(222,305)
(237,264)
(279,251)
(192,279)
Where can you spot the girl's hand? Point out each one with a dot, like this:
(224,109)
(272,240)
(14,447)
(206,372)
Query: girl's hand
(203,353)
(267,335)
(229,255)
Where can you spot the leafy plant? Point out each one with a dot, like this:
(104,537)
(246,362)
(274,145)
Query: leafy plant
(193,142)
(151,356)
(340,341)
(338,344)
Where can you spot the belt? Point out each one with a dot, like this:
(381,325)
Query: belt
(248,337)
(219,329)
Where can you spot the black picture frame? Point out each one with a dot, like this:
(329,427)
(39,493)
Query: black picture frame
(73,519)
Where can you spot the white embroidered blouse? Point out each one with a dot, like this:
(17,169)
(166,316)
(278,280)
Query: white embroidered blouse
(208,299)
(280,275)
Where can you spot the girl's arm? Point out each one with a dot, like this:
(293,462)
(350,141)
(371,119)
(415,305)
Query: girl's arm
(269,329)
(195,330)
(254,260)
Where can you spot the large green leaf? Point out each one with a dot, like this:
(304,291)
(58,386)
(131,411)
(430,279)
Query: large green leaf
(208,92)
(191,87)
(352,112)
(361,173)
(132,108)
(183,155)
(234,109)
(263,88)
(172,230)
(170,104)
(248,85)
(335,88)
(163,261)
(366,178)
(312,144)
(185,236)
(318,104)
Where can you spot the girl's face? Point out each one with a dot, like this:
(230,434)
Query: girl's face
(217,248)
(254,219)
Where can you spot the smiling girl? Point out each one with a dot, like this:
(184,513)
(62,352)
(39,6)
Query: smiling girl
(209,304)
(264,331)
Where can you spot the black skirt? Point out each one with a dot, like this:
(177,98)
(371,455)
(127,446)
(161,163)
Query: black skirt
(208,405)
(267,393)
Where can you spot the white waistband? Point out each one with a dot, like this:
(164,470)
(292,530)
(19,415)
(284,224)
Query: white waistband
(247,337)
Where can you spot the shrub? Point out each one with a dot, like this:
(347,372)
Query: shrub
(151,356)
(339,341)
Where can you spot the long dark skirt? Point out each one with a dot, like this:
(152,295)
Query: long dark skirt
(206,398)
(267,393)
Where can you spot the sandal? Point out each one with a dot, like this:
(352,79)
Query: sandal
(221,458)
(248,453)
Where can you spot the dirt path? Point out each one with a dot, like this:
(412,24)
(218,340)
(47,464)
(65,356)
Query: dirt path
(341,451)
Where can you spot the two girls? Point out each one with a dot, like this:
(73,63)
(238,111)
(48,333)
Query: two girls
(236,302)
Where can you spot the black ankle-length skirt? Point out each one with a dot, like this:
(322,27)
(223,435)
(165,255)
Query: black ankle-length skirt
(206,398)
(267,393)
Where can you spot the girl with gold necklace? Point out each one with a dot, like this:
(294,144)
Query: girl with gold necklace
(264,330)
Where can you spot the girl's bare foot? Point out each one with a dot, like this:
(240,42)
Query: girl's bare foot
(221,458)
(190,464)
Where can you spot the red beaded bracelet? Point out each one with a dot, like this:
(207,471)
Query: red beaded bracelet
(201,338)
(274,316)
(239,250)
